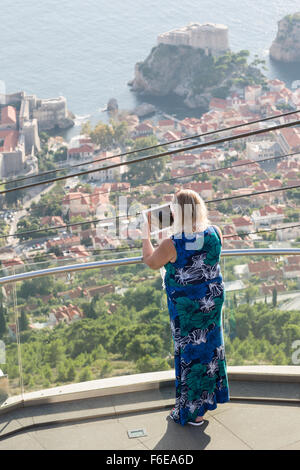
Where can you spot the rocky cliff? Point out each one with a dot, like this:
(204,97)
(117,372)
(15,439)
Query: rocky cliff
(286,46)
(193,75)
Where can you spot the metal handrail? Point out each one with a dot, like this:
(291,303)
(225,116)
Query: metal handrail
(135,260)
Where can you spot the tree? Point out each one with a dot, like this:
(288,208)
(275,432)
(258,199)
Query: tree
(150,170)
(23,321)
(62,373)
(47,372)
(85,375)
(150,364)
(142,297)
(13,197)
(71,373)
(40,286)
(86,128)
(144,344)
(274,297)
(61,154)
(2,321)
(109,135)
(55,353)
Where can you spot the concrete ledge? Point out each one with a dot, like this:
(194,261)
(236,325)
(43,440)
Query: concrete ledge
(117,396)
(288,374)
(142,382)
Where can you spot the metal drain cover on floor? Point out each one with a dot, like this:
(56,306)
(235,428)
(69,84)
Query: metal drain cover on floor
(137,433)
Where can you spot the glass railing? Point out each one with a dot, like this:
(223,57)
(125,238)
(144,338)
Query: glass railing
(108,317)
(262,309)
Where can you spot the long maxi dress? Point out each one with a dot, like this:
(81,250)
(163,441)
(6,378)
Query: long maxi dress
(195,296)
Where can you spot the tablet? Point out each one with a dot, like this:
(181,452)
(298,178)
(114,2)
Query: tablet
(161,218)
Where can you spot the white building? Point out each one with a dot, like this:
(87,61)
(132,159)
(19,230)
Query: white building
(261,150)
(267,216)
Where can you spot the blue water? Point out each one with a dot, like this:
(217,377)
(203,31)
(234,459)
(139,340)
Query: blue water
(86,49)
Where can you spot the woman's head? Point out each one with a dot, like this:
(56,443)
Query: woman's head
(189,210)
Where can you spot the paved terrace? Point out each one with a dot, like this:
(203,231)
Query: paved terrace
(264,413)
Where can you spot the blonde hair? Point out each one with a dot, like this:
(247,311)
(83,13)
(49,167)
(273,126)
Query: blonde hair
(190,212)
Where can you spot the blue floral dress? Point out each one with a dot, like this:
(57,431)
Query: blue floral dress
(195,295)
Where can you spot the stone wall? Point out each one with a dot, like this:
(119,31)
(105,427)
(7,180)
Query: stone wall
(31,136)
(13,162)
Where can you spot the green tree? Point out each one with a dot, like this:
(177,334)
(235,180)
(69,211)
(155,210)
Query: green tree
(142,297)
(274,297)
(150,364)
(2,321)
(71,373)
(85,375)
(23,321)
(13,197)
(40,286)
(47,372)
(62,373)
(55,353)
(144,344)
(107,135)
(145,171)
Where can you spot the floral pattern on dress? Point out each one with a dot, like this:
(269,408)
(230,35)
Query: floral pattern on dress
(195,295)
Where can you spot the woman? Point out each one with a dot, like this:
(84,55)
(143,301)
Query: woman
(195,295)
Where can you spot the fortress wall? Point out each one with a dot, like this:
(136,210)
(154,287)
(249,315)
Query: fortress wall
(24,113)
(49,112)
(31,136)
(174,38)
(13,162)
(14,98)
(204,36)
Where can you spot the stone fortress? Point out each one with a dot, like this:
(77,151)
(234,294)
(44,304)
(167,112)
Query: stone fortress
(213,38)
(22,117)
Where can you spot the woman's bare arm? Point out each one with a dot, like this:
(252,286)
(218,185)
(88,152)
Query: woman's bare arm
(156,258)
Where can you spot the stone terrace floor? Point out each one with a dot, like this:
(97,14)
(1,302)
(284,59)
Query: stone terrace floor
(264,413)
(235,425)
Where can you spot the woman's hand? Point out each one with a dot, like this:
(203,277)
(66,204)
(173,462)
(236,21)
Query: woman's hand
(146,227)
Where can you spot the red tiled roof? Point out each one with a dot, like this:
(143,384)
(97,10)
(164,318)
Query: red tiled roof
(241,221)
(199,186)
(292,136)
(10,140)
(82,149)
(143,127)
(166,122)
(52,220)
(268,210)
(260,266)
(218,103)
(80,197)
(12,262)
(8,115)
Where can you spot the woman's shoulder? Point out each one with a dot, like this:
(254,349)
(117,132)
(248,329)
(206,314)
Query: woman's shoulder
(218,230)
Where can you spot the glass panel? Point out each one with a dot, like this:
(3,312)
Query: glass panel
(93,324)
(113,321)
(262,310)
(10,366)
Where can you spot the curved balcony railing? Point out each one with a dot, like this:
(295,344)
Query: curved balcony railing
(134,260)
(66,324)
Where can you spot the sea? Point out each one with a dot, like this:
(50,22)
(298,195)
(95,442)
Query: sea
(86,50)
